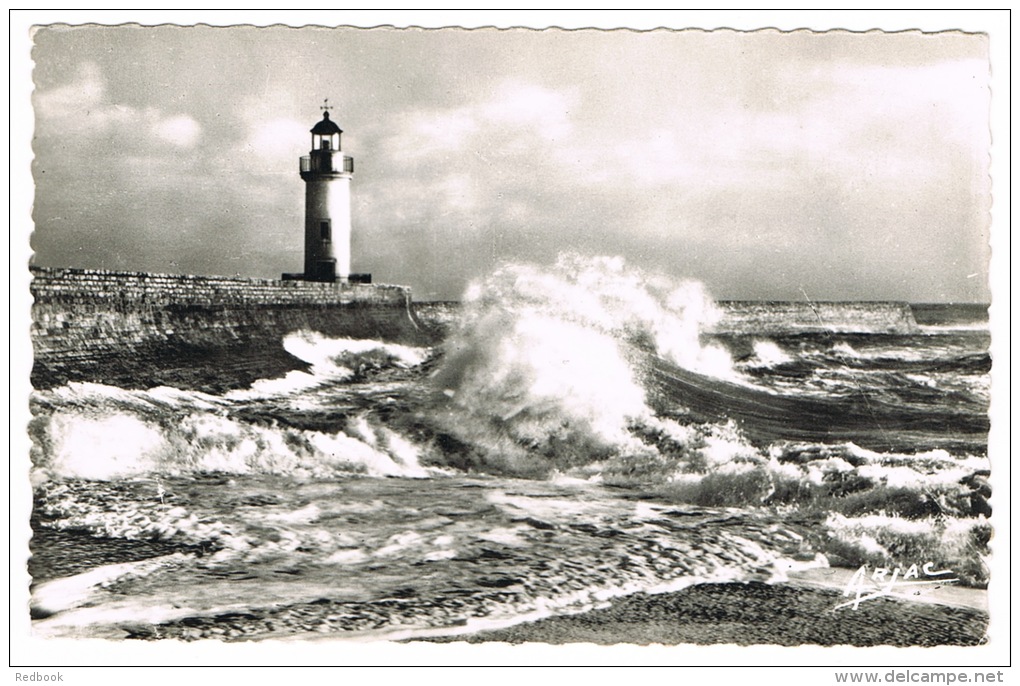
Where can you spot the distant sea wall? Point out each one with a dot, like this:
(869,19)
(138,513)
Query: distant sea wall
(138,330)
(810,317)
(754,317)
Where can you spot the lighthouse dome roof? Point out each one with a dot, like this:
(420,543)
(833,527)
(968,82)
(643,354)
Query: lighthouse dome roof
(326,127)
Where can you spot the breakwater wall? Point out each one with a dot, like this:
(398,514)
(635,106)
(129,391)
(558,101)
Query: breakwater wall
(814,317)
(757,317)
(135,329)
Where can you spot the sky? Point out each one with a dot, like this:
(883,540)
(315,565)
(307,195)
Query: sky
(768,165)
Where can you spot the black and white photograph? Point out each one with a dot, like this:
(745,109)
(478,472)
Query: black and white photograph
(432,338)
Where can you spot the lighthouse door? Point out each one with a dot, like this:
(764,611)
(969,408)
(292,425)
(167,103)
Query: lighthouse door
(325,270)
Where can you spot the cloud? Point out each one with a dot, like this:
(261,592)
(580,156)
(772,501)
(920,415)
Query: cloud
(952,94)
(81,112)
(182,131)
(278,138)
(464,163)
(515,117)
(831,168)
(70,101)
(538,111)
(427,133)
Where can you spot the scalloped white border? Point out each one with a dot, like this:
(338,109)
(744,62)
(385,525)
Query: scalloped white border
(26,650)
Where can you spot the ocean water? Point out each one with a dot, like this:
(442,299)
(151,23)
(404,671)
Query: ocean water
(575,438)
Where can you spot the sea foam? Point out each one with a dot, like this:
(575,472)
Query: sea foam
(544,357)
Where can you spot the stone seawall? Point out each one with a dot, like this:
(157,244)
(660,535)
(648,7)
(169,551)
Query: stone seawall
(136,329)
(752,317)
(815,317)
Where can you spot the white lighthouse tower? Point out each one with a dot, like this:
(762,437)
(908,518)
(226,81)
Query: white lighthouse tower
(327,174)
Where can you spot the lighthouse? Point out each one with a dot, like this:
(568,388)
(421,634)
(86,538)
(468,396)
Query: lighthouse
(327,173)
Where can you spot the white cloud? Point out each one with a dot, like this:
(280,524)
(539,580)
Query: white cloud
(423,134)
(545,112)
(72,99)
(488,142)
(517,118)
(951,94)
(868,124)
(182,131)
(457,192)
(81,111)
(279,138)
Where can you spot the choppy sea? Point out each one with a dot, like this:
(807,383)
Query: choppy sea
(576,437)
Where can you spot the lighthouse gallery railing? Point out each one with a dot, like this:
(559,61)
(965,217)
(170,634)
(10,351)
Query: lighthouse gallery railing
(327,163)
